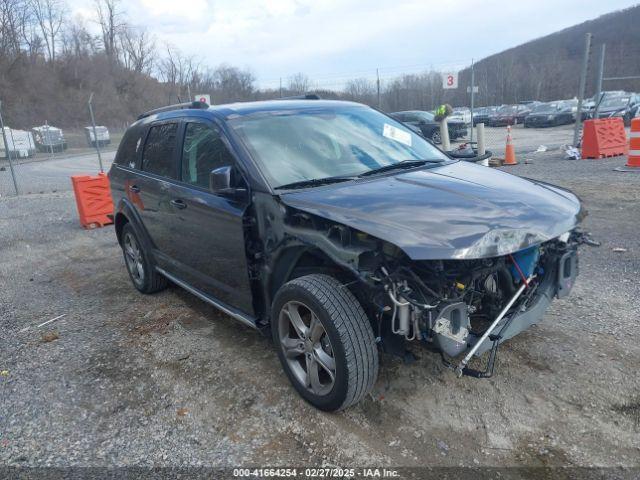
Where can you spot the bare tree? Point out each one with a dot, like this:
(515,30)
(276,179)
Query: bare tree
(360,90)
(233,84)
(111,23)
(299,83)
(178,70)
(138,50)
(49,15)
(77,41)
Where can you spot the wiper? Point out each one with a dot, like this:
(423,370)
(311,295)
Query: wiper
(314,182)
(399,166)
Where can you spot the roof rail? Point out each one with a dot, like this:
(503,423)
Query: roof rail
(306,96)
(177,106)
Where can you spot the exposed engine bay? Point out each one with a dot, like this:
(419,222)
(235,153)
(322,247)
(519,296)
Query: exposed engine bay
(453,307)
(462,306)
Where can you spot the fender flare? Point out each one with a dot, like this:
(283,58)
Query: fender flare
(127,210)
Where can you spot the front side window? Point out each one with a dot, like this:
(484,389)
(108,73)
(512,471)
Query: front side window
(158,155)
(299,145)
(202,152)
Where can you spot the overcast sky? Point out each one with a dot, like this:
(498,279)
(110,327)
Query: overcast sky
(333,40)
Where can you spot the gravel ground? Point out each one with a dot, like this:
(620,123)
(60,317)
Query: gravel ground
(165,380)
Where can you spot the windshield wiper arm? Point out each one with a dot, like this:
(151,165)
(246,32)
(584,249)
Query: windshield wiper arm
(314,182)
(398,166)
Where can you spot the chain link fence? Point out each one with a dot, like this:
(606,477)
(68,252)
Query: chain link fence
(525,138)
(30,165)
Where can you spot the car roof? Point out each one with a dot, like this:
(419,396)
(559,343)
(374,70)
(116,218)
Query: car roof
(232,110)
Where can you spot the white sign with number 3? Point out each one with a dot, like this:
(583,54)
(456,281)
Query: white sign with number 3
(450,80)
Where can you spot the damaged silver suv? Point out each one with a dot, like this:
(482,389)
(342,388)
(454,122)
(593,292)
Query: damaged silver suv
(340,232)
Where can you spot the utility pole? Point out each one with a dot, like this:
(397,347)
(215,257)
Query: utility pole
(95,134)
(8,153)
(473,86)
(280,87)
(583,83)
(378,86)
(600,76)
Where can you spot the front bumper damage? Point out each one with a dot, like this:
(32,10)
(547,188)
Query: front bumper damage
(524,310)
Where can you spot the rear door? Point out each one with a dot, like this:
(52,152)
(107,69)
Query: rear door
(150,189)
(209,246)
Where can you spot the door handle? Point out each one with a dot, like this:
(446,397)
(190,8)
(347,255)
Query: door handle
(176,202)
(134,189)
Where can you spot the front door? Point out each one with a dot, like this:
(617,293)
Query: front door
(209,245)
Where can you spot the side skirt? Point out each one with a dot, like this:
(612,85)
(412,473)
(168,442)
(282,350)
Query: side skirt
(223,307)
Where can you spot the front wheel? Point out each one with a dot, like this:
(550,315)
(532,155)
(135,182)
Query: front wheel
(324,341)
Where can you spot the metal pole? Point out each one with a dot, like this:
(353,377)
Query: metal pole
(583,83)
(600,76)
(488,331)
(46,124)
(95,134)
(472,99)
(378,86)
(6,149)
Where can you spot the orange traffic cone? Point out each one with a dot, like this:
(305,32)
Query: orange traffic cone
(634,144)
(509,152)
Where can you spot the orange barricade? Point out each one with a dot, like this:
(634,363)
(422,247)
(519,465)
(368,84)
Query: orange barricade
(604,137)
(634,144)
(93,198)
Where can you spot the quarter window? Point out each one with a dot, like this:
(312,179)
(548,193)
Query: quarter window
(159,151)
(128,150)
(202,152)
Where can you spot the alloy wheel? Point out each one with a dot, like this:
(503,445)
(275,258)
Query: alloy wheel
(133,257)
(307,348)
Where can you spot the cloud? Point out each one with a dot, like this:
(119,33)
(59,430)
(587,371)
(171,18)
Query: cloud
(330,38)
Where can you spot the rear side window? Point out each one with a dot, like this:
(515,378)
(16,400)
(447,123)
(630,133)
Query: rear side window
(203,151)
(128,149)
(159,150)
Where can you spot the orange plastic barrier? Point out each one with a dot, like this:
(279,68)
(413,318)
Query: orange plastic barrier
(604,137)
(634,144)
(93,198)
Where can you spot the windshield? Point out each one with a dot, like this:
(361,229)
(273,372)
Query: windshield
(507,109)
(299,145)
(619,102)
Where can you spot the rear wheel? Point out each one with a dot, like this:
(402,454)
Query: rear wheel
(325,342)
(141,270)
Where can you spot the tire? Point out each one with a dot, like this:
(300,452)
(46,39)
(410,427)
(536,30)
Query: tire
(336,332)
(141,270)
(435,137)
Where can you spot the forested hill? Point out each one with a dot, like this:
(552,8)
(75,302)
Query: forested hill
(548,68)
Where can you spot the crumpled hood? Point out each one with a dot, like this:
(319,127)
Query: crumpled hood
(456,211)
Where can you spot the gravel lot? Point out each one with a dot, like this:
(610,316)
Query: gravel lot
(165,380)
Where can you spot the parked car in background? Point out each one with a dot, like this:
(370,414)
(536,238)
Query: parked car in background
(425,124)
(49,139)
(589,105)
(552,114)
(623,106)
(481,115)
(20,143)
(460,115)
(509,115)
(101,132)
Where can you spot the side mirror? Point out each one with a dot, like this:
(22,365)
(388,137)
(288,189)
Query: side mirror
(221,184)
